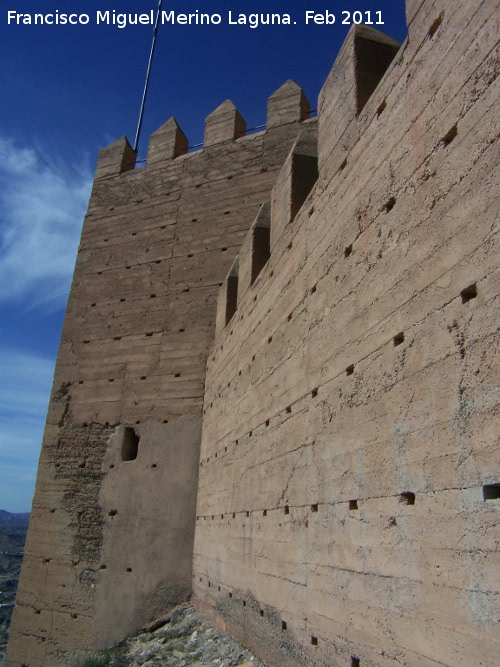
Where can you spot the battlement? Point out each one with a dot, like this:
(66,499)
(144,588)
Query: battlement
(225,124)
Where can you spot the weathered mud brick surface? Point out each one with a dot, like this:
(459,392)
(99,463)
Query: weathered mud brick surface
(277,386)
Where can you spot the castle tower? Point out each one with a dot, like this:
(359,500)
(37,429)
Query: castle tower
(111,535)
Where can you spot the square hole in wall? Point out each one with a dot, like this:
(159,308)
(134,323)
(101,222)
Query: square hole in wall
(398,339)
(469,293)
(491,492)
(314,640)
(354,661)
(353,505)
(450,135)
(407,498)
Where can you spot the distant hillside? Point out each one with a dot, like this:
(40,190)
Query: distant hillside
(13,529)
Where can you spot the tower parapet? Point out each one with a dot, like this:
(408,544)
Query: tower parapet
(224,124)
(167,143)
(115,159)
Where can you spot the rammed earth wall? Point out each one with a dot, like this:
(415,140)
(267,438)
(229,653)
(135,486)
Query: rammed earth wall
(322,322)
(347,509)
(111,536)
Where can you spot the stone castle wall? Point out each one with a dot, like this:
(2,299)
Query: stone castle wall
(284,355)
(345,508)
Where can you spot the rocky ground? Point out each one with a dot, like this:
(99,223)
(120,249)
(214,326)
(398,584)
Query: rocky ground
(182,638)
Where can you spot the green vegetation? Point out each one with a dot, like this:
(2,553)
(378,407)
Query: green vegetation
(98,660)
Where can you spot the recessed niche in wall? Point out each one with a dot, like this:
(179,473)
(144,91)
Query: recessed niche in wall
(349,370)
(314,640)
(491,492)
(435,25)
(469,293)
(348,250)
(287,509)
(407,498)
(389,204)
(354,661)
(381,108)
(130,444)
(353,505)
(283,626)
(450,135)
(398,339)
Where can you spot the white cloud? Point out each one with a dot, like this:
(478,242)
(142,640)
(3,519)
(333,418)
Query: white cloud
(25,382)
(42,204)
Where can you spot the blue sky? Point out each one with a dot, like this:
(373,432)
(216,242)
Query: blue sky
(70,90)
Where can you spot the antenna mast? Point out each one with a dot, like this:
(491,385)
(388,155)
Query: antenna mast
(146,83)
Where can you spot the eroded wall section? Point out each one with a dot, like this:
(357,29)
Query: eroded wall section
(348,501)
(111,536)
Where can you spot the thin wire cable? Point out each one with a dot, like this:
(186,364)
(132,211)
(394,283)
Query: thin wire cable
(146,84)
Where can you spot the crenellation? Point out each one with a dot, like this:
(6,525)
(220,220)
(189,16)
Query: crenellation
(115,159)
(224,124)
(167,143)
(288,104)
(283,379)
